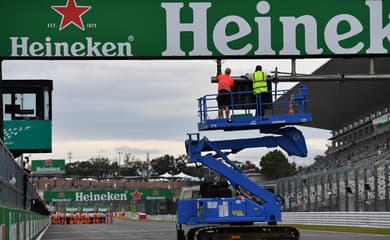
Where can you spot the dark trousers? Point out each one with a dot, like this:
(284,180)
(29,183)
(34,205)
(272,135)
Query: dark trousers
(261,103)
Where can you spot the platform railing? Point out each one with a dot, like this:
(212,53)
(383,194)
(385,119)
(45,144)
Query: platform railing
(292,101)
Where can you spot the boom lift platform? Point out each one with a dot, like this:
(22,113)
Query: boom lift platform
(217,214)
(290,108)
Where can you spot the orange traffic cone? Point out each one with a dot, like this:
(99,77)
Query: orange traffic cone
(290,108)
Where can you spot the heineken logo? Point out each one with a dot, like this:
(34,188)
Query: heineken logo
(71,14)
(194,29)
(136,195)
(107,195)
(24,47)
(314,44)
(48,162)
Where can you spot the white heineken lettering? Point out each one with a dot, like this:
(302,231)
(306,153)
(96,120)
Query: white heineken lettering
(289,35)
(198,28)
(77,49)
(107,196)
(86,197)
(377,32)
(221,40)
(61,49)
(332,38)
(48,48)
(36,49)
(93,47)
(79,197)
(103,197)
(22,47)
(110,196)
(264,27)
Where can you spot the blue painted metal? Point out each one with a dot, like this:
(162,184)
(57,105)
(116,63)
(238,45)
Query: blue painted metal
(243,116)
(226,210)
(263,206)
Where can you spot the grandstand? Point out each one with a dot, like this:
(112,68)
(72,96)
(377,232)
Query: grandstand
(357,143)
(353,175)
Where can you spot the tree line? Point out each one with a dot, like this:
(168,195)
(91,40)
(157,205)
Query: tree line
(273,165)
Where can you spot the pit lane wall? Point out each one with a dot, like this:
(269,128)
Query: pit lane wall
(19,224)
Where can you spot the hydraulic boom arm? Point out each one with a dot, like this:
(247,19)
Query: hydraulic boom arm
(290,139)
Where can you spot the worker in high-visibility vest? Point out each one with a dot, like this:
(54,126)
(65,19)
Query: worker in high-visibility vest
(260,89)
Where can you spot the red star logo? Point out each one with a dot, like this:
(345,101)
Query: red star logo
(71,13)
(136,195)
(48,162)
(61,195)
(155,193)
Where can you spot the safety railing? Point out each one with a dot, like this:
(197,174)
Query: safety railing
(20,224)
(254,111)
(361,219)
(278,102)
(357,219)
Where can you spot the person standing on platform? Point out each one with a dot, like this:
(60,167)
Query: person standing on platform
(260,88)
(225,85)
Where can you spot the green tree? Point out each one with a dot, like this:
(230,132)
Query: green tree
(199,172)
(168,163)
(275,165)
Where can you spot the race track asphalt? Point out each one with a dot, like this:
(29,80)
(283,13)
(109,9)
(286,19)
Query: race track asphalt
(136,230)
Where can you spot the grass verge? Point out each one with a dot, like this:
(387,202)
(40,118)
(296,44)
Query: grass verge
(367,230)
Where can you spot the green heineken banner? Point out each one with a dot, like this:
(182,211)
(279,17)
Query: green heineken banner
(28,135)
(106,195)
(192,28)
(47,167)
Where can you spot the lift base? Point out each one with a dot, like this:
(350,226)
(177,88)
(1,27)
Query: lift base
(247,232)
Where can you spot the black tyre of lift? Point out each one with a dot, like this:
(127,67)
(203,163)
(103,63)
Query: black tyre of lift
(180,235)
(180,232)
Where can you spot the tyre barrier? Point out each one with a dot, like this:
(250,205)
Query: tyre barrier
(19,224)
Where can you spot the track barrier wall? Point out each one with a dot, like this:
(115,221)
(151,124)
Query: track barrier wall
(358,219)
(19,224)
(352,219)
(16,190)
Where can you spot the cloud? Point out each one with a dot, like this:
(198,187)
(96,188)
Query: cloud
(138,106)
(131,150)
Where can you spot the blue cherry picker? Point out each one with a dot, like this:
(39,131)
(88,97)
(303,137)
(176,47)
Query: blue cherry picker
(219,214)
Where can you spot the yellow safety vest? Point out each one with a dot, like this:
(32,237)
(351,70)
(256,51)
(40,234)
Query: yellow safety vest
(259,80)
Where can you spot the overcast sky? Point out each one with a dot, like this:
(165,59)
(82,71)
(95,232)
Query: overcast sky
(101,108)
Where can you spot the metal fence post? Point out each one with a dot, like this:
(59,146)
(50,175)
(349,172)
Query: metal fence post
(356,194)
(387,187)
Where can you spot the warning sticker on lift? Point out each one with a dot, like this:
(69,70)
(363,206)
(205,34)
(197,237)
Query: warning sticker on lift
(223,209)
(212,205)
